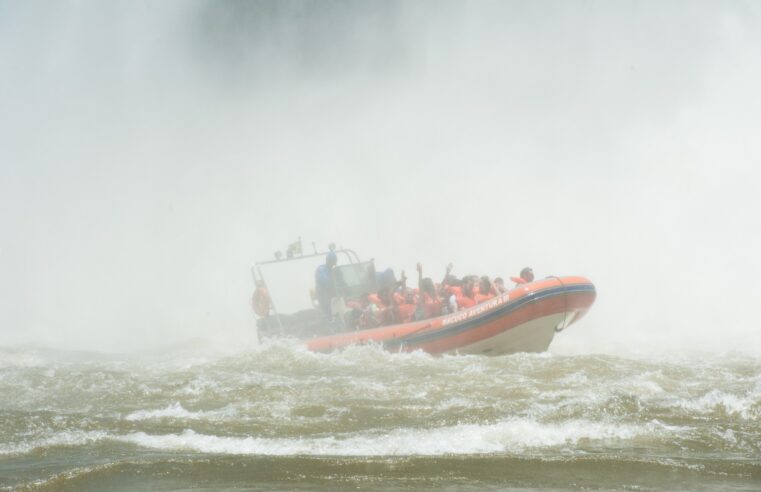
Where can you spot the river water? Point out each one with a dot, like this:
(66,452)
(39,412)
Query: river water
(278,417)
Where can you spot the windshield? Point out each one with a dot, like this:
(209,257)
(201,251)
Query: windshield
(355,280)
(289,282)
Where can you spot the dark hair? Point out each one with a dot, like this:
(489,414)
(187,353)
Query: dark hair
(485,284)
(428,287)
(452,280)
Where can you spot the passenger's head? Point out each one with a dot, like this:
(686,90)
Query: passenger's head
(428,287)
(467,285)
(527,274)
(452,280)
(484,285)
(331,259)
(385,295)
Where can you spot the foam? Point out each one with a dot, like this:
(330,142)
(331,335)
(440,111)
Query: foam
(747,407)
(65,438)
(177,411)
(511,436)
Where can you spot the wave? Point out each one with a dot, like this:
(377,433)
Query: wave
(177,411)
(512,436)
(64,438)
(746,407)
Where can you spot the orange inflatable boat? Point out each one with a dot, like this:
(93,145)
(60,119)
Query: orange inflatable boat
(524,319)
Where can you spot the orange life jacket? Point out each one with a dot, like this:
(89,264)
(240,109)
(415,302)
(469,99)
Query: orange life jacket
(481,298)
(375,299)
(490,292)
(464,302)
(431,306)
(406,312)
(261,302)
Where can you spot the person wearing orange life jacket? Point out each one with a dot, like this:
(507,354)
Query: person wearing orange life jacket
(499,285)
(486,290)
(468,297)
(261,301)
(450,290)
(405,309)
(384,300)
(368,308)
(428,303)
(527,275)
(400,293)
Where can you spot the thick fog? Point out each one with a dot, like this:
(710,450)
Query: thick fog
(150,152)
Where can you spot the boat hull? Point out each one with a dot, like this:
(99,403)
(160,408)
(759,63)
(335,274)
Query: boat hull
(525,319)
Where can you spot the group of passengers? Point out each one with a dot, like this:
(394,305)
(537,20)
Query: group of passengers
(394,302)
(398,303)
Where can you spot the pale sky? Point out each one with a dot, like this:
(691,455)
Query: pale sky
(150,152)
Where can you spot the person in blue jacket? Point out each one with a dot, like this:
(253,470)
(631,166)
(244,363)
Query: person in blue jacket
(324,286)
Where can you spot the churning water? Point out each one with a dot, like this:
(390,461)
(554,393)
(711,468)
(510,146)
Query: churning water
(281,418)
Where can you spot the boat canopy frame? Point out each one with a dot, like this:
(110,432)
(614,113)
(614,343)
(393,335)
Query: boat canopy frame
(256,268)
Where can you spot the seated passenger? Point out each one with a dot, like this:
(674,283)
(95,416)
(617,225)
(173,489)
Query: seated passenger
(486,290)
(499,285)
(386,312)
(468,297)
(428,303)
(376,301)
(527,275)
(451,283)
(405,311)
(367,317)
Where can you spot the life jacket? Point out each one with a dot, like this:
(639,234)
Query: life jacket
(490,292)
(375,299)
(406,312)
(261,302)
(431,306)
(481,298)
(464,302)
(518,280)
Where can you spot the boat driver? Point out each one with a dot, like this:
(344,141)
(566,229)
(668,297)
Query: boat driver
(323,282)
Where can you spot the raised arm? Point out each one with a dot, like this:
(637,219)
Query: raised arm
(446,274)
